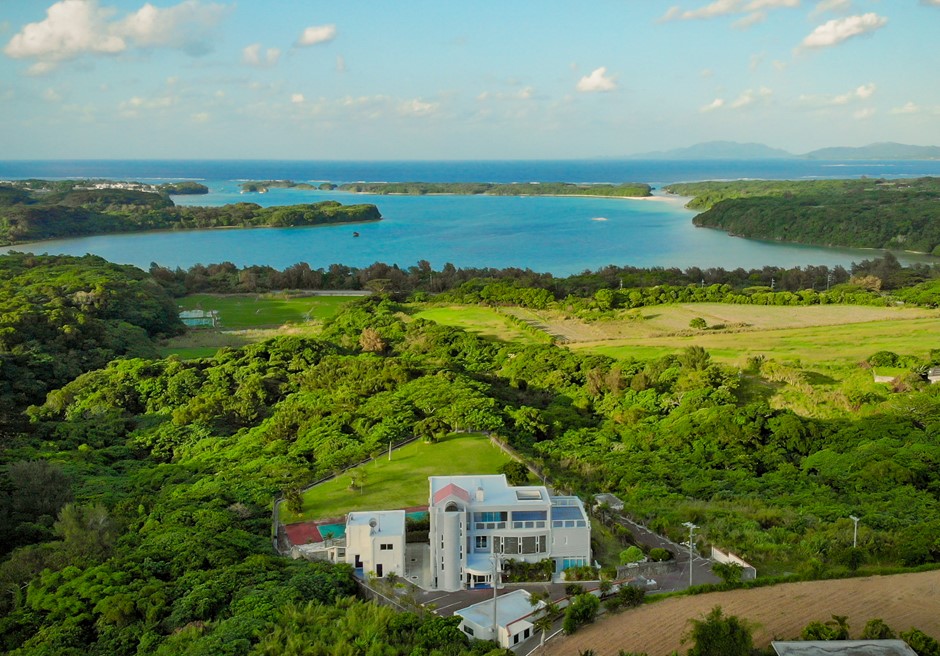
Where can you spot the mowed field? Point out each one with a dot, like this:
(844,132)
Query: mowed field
(249,318)
(401,482)
(478,319)
(244,311)
(821,333)
(903,601)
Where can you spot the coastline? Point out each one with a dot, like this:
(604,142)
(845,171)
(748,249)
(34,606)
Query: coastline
(15,246)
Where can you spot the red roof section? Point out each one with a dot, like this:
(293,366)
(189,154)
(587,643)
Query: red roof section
(450,489)
(303,533)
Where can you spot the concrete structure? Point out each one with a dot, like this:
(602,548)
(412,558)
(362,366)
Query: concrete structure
(612,502)
(333,551)
(194,318)
(842,648)
(748,571)
(375,541)
(514,618)
(478,522)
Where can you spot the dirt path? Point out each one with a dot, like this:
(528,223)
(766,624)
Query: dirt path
(780,612)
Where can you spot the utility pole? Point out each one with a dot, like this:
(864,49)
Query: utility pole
(828,280)
(389,450)
(855,531)
(691,528)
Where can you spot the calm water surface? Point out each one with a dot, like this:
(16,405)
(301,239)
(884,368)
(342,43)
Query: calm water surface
(558,235)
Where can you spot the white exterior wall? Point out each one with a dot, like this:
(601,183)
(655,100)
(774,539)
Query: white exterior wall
(456,559)
(378,549)
(570,543)
(447,558)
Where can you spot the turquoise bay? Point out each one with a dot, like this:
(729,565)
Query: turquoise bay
(562,236)
(558,235)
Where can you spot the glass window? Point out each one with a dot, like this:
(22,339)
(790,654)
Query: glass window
(529,515)
(481,542)
(490,516)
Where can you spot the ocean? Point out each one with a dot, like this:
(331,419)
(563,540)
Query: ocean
(558,235)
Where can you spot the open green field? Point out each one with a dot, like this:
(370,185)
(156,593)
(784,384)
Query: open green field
(249,318)
(483,321)
(239,312)
(848,343)
(401,482)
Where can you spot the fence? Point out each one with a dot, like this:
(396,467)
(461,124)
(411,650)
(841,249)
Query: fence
(279,539)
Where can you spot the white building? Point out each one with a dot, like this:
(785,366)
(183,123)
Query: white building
(512,615)
(375,541)
(475,517)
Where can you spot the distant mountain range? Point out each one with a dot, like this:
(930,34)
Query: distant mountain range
(735,150)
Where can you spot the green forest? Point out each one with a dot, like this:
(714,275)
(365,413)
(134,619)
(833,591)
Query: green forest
(867,213)
(137,491)
(33,210)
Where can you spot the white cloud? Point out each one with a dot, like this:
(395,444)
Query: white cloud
(133,106)
(73,28)
(417,107)
(834,6)
(252,56)
(838,30)
(750,20)
(183,26)
(51,95)
(930,3)
(856,95)
(908,107)
(711,10)
(598,80)
(751,96)
(297,98)
(862,114)
(757,5)
(755,10)
(340,64)
(717,103)
(317,34)
(200,117)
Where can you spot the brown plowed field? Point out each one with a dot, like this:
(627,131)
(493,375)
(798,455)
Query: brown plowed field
(780,612)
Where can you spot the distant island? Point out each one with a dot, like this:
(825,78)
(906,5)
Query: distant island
(757,151)
(262,186)
(33,210)
(719,150)
(625,190)
(866,213)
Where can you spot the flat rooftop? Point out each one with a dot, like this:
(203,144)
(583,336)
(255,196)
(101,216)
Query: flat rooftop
(509,608)
(387,522)
(842,648)
(496,491)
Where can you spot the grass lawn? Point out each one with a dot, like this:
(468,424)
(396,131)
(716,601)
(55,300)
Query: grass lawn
(238,312)
(483,321)
(403,481)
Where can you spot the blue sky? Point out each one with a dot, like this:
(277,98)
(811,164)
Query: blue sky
(461,80)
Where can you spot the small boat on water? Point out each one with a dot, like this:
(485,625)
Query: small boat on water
(355,234)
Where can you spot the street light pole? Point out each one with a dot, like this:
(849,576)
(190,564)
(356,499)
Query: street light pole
(691,528)
(855,531)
